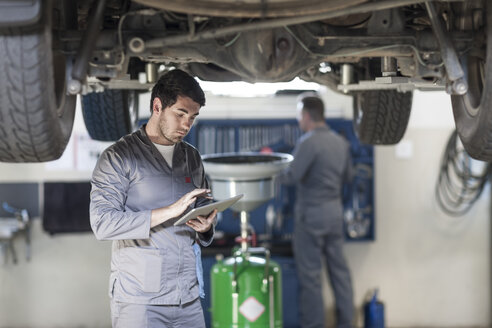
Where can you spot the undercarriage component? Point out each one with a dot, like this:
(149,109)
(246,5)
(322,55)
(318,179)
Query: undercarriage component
(448,53)
(275,23)
(256,8)
(399,83)
(371,47)
(388,66)
(79,69)
(347,75)
(151,72)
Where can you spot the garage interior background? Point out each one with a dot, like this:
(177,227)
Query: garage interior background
(432,270)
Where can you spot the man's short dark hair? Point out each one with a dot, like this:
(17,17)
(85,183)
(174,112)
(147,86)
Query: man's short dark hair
(313,105)
(176,83)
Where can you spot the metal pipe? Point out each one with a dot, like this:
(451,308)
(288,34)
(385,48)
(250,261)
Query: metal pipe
(388,66)
(272,23)
(235,310)
(347,74)
(272,301)
(79,69)
(448,53)
(267,266)
(151,72)
(235,292)
(244,230)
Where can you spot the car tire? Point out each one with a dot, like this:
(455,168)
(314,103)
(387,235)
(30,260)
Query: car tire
(381,116)
(472,111)
(36,115)
(111,114)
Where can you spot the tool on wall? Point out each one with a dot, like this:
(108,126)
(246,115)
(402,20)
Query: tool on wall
(10,227)
(357,217)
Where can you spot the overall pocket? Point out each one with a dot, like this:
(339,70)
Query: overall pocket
(141,270)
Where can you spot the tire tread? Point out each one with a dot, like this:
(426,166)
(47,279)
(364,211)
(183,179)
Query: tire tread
(385,116)
(106,114)
(29,126)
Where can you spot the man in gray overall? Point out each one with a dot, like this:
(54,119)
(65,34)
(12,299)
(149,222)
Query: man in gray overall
(140,185)
(322,163)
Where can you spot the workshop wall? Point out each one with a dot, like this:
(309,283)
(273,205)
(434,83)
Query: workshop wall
(432,270)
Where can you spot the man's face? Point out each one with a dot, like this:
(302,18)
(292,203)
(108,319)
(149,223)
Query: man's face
(176,120)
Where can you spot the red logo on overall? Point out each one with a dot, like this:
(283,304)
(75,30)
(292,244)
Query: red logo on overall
(188,179)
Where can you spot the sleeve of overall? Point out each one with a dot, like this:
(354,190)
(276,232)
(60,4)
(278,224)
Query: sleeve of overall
(303,154)
(109,218)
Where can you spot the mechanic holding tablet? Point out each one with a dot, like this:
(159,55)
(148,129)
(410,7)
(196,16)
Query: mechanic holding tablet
(139,186)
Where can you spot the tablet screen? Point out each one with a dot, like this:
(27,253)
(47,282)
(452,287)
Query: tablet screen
(207,209)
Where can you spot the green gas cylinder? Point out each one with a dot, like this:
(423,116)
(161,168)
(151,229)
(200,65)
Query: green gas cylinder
(246,292)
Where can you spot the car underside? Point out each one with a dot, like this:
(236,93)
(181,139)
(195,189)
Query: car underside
(109,50)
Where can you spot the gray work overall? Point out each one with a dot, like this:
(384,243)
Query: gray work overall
(321,165)
(149,267)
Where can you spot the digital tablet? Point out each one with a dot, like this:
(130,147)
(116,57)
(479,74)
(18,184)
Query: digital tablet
(207,209)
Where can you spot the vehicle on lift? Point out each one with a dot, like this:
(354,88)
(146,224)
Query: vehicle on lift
(378,51)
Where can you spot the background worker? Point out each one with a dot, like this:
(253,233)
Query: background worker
(321,165)
(140,186)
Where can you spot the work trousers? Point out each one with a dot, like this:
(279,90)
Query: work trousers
(309,250)
(129,315)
